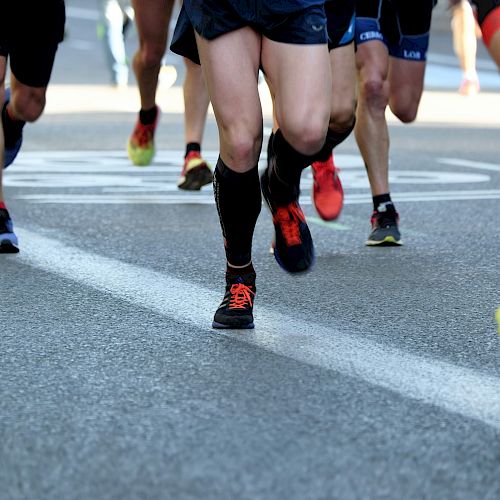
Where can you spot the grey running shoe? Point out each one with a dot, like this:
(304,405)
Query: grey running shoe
(385,230)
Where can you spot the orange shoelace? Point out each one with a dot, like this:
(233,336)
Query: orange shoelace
(323,172)
(143,134)
(289,218)
(241,296)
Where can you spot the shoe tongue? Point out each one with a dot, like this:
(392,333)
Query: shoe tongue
(244,279)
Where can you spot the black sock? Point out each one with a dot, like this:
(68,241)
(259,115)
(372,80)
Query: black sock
(148,116)
(12,129)
(333,139)
(238,201)
(192,146)
(382,199)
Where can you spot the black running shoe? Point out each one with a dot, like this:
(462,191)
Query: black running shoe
(11,150)
(293,244)
(385,230)
(8,240)
(236,310)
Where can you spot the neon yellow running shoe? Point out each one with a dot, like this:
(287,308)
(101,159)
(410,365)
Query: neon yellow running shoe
(141,145)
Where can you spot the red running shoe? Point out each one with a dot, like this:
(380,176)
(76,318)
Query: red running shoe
(328,195)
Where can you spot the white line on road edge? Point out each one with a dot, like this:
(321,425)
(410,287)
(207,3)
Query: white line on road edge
(456,389)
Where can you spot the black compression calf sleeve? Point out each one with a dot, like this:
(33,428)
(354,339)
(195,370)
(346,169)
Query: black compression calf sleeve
(287,165)
(333,139)
(238,201)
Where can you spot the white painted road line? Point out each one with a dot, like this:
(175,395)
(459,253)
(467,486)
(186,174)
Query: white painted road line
(206,198)
(456,389)
(480,165)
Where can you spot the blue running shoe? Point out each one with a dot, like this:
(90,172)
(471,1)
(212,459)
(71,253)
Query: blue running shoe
(8,240)
(10,151)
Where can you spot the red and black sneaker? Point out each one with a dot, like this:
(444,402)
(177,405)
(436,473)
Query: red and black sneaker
(293,245)
(328,195)
(196,173)
(236,309)
(385,230)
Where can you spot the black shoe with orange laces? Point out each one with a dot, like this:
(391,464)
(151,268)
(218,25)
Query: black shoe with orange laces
(236,310)
(293,245)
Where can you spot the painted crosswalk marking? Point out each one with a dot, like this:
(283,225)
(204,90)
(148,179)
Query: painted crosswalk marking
(107,177)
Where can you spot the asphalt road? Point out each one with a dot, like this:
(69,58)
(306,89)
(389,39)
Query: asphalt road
(376,375)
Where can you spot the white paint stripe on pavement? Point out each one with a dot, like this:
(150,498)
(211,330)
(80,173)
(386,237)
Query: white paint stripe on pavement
(470,164)
(459,390)
(206,197)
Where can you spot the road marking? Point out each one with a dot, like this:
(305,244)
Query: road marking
(205,197)
(117,182)
(336,226)
(493,167)
(457,389)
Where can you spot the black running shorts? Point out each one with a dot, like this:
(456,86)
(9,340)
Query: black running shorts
(402,25)
(300,22)
(341,19)
(30,31)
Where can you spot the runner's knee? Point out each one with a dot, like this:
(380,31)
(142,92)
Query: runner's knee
(342,116)
(29,105)
(375,94)
(151,54)
(242,146)
(306,134)
(405,110)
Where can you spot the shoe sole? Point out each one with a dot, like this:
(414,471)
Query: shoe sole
(7,246)
(222,326)
(196,178)
(388,241)
(140,162)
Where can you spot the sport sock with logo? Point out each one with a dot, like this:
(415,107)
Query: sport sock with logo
(382,200)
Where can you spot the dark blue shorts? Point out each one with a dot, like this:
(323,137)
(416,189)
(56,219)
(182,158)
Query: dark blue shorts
(30,32)
(341,21)
(402,25)
(276,20)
